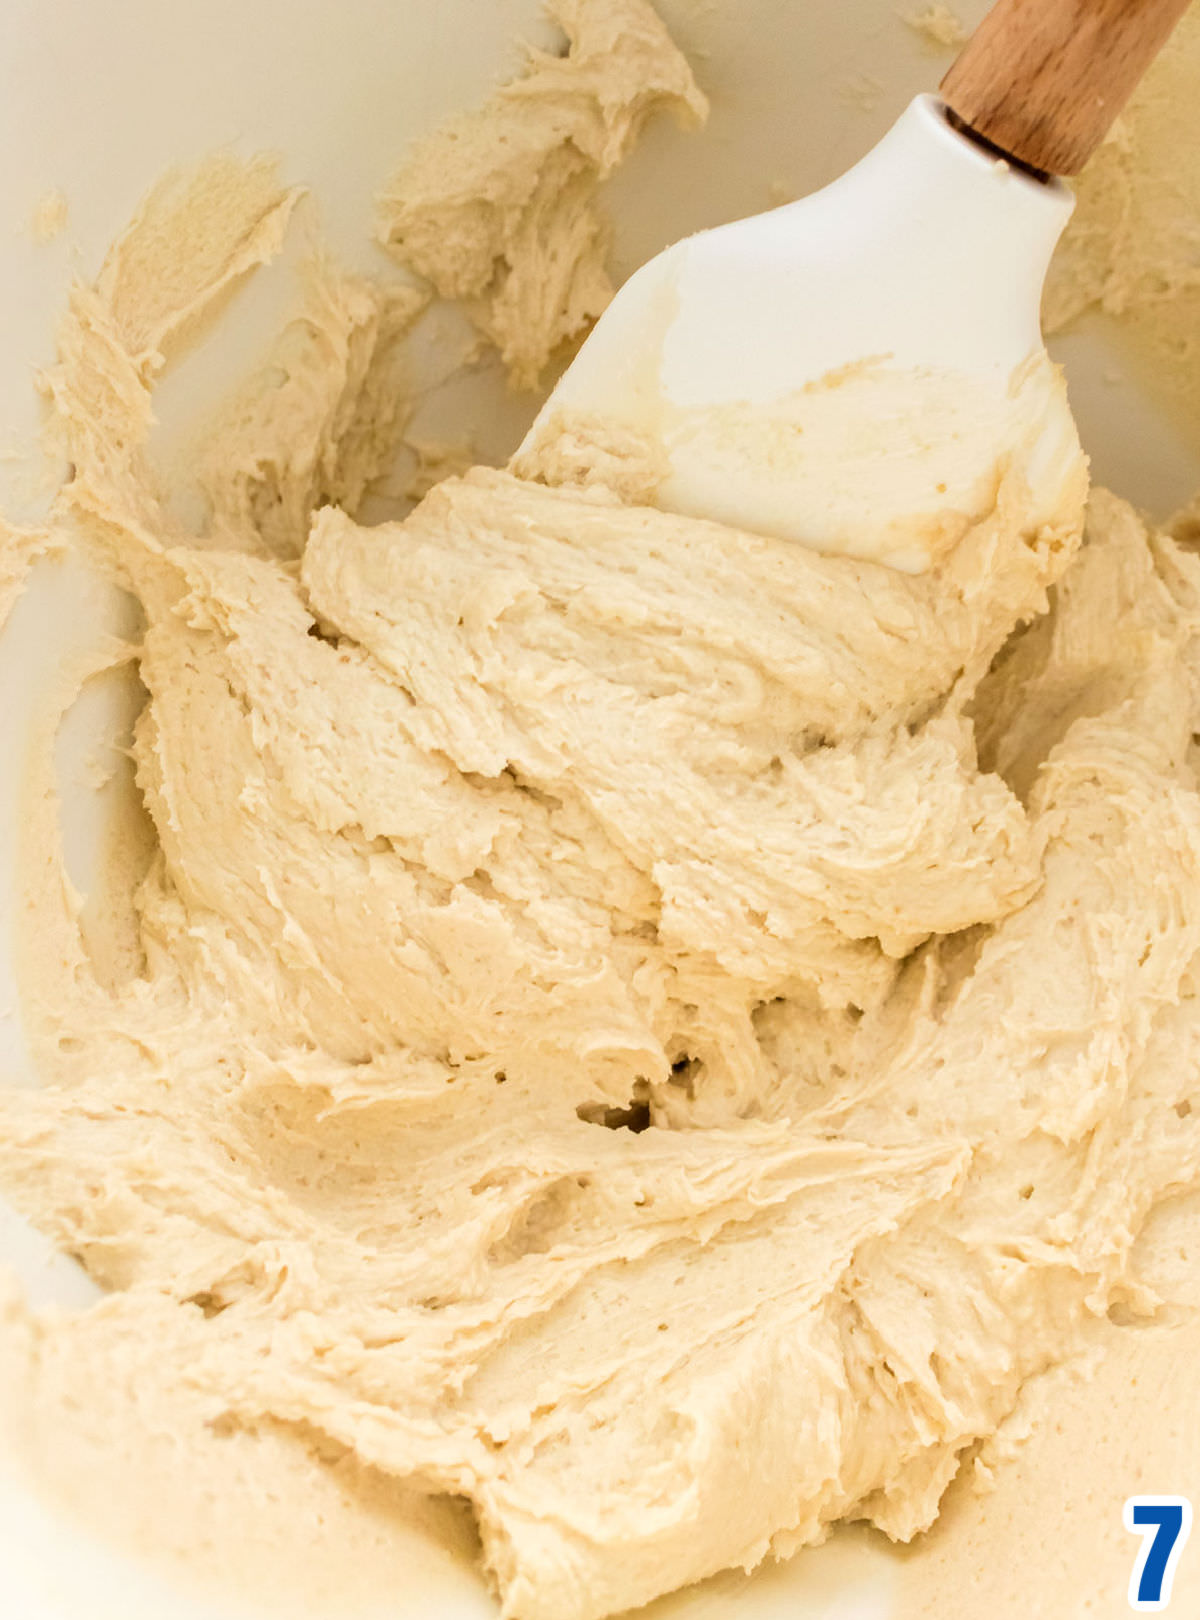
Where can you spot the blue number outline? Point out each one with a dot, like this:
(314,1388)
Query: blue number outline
(1164,1524)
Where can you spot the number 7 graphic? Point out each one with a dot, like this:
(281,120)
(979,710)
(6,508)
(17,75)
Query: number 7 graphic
(1164,1523)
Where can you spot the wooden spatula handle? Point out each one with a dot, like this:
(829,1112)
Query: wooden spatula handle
(1044,79)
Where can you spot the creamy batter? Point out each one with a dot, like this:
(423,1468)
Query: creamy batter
(652,1030)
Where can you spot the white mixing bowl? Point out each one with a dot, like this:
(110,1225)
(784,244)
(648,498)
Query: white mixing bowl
(96,101)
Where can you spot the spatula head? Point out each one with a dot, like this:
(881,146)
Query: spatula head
(855,371)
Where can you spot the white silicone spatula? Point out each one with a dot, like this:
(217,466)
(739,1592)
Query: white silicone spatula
(850,370)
